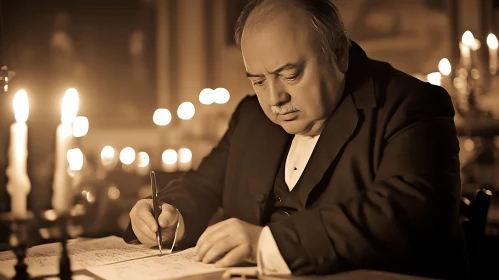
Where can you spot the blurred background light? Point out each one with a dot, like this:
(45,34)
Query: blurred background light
(222,96)
(162,117)
(127,156)
(169,156)
(207,96)
(186,111)
(80,126)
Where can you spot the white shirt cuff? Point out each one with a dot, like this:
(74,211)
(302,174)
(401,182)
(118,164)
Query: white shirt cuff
(269,259)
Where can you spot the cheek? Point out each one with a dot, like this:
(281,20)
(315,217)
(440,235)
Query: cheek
(264,104)
(309,99)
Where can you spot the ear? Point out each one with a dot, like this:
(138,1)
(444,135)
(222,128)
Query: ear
(342,56)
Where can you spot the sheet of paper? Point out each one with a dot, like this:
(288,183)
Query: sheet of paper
(44,259)
(171,266)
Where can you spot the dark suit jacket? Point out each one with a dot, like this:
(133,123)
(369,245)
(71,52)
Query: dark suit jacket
(380,191)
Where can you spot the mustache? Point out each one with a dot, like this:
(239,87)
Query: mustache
(284,109)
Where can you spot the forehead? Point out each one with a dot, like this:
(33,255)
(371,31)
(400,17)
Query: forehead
(283,36)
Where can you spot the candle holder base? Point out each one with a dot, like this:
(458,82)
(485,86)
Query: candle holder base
(64,262)
(20,229)
(21,267)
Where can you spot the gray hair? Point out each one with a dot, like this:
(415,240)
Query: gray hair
(324,18)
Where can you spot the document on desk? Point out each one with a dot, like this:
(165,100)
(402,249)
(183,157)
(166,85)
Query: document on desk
(169,266)
(85,253)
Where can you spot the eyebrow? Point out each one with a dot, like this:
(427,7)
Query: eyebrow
(280,69)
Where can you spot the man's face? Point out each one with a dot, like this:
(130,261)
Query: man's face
(296,85)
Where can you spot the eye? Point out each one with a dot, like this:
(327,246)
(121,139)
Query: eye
(258,83)
(292,77)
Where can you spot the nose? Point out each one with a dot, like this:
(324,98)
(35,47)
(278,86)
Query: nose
(278,94)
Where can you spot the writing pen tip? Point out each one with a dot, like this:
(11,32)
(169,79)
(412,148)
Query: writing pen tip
(160,251)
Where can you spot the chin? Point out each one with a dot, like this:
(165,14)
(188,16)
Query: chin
(292,127)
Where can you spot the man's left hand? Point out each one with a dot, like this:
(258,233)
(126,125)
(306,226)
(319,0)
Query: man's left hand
(235,239)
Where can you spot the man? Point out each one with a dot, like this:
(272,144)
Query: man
(339,162)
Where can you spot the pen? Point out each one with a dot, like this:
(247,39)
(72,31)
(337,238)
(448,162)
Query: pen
(156,207)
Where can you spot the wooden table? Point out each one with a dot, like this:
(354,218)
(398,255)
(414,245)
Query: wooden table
(351,275)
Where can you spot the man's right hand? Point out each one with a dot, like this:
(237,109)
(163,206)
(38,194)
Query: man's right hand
(144,225)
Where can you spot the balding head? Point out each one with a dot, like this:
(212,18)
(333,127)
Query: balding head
(322,16)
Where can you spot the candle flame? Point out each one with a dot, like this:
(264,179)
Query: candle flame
(69,107)
(444,66)
(468,38)
(21,106)
(492,41)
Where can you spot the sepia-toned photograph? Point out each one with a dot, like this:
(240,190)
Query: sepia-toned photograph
(249,139)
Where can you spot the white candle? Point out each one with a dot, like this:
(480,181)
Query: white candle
(465,45)
(19,185)
(492,44)
(62,185)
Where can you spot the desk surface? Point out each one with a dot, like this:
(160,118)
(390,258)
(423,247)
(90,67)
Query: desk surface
(351,275)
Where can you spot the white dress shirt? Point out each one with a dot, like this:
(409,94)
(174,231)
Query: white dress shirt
(269,258)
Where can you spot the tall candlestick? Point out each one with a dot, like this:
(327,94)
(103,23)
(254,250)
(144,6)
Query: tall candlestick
(19,185)
(492,44)
(63,191)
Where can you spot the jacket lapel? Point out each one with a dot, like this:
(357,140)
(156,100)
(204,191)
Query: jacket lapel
(338,130)
(341,126)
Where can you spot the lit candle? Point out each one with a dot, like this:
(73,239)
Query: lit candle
(184,159)
(467,41)
(63,191)
(492,44)
(19,185)
(445,69)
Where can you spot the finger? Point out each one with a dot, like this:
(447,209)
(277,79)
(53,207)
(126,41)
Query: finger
(220,248)
(168,217)
(211,229)
(208,241)
(143,233)
(235,257)
(146,231)
(144,213)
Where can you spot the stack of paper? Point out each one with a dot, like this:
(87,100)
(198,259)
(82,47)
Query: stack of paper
(109,258)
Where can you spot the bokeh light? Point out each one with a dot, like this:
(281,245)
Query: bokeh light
(127,155)
(169,156)
(186,111)
(162,117)
(80,126)
(184,155)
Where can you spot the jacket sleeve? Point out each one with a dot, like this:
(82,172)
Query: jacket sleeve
(197,194)
(405,220)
